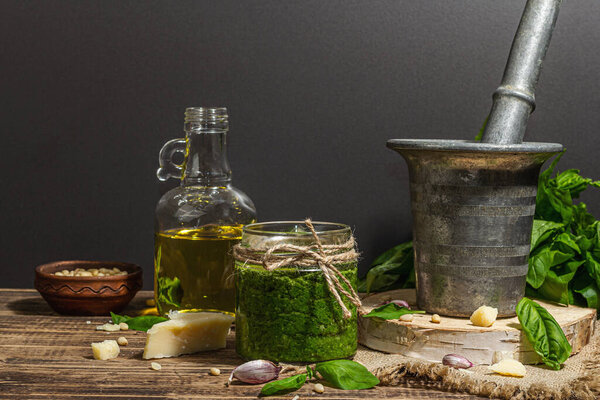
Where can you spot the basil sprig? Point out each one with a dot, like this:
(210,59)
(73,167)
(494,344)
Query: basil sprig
(544,333)
(141,323)
(342,374)
(391,311)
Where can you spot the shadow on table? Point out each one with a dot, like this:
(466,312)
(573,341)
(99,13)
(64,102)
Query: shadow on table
(30,306)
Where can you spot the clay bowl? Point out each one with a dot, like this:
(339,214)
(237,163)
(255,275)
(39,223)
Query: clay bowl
(87,295)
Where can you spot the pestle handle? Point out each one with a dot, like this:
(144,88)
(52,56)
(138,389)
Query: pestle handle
(514,100)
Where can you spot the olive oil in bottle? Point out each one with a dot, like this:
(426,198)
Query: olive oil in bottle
(198,222)
(194,268)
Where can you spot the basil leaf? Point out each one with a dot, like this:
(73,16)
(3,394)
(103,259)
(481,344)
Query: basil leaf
(556,285)
(573,182)
(310,373)
(566,243)
(390,270)
(593,268)
(543,332)
(141,323)
(391,311)
(117,319)
(542,230)
(386,277)
(393,255)
(283,386)
(539,265)
(347,374)
(591,295)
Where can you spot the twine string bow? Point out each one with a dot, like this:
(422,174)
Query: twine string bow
(324,256)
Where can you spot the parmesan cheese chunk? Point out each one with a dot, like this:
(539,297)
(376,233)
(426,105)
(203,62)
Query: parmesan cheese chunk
(105,350)
(484,316)
(509,367)
(186,333)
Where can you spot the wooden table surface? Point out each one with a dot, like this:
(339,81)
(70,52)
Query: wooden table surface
(46,355)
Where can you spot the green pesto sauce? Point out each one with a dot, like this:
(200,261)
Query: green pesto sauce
(290,315)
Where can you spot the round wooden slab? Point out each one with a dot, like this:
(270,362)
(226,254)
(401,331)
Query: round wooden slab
(426,340)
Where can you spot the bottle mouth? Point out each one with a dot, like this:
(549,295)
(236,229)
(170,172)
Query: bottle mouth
(295,228)
(206,114)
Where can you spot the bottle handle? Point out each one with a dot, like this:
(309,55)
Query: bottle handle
(168,169)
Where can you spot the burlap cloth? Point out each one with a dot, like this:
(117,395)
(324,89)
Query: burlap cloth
(578,379)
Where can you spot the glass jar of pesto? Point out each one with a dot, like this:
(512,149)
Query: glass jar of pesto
(289,313)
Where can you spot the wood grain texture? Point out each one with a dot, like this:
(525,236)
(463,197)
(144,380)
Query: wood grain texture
(424,339)
(46,355)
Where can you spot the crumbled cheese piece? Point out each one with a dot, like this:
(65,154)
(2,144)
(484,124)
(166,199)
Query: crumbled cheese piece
(484,316)
(406,317)
(186,333)
(155,366)
(105,350)
(108,327)
(435,318)
(88,322)
(509,367)
(122,341)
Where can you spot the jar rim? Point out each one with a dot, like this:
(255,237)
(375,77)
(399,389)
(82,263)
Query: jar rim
(284,228)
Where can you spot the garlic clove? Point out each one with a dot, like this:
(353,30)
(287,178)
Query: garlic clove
(255,371)
(456,361)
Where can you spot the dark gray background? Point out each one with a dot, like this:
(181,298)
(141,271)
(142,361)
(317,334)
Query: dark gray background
(90,91)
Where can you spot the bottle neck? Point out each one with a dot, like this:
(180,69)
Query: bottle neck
(206,158)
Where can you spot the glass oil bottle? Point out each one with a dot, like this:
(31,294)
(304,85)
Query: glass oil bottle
(198,222)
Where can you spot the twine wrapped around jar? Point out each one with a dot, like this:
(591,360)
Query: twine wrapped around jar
(323,256)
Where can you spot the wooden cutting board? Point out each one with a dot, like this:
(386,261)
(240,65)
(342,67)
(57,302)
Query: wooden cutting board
(426,340)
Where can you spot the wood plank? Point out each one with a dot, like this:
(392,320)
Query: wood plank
(430,341)
(46,355)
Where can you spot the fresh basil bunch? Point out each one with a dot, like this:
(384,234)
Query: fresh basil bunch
(564,262)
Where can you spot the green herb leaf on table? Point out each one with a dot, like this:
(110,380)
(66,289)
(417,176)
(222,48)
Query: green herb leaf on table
(544,333)
(391,311)
(283,386)
(347,374)
(141,323)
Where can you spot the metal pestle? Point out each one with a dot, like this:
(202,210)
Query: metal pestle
(514,100)
(473,202)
